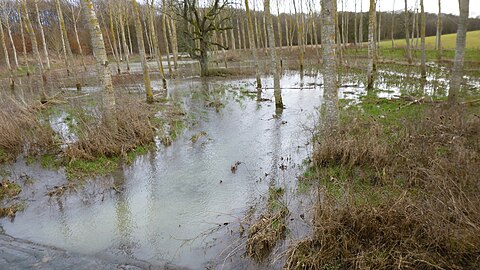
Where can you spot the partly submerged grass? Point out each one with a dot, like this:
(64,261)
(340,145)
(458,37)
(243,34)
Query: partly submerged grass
(399,187)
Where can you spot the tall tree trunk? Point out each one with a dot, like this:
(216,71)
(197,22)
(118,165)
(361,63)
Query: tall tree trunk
(103,70)
(439,32)
(24,46)
(300,27)
(165,34)
(129,38)
(113,38)
(124,40)
(279,27)
(12,43)
(330,110)
(392,28)
(39,72)
(422,34)
(253,47)
(62,38)
(379,36)
(155,45)
(7,58)
(174,43)
(80,50)
(239,36)
(141,50)
(277,92)
(355,38)
(371,45)
(360,27)
(42,35)
(407,36)
(457,72)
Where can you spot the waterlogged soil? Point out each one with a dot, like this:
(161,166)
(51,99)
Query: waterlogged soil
(182,204)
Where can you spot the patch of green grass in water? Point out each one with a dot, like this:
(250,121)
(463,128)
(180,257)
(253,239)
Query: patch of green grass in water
(138,151)
(86,168)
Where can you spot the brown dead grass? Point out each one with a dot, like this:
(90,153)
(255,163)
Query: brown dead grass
(434,223)
(21,131)
(98,140)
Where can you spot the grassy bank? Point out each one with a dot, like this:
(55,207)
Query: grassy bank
(448,41)
(398,186)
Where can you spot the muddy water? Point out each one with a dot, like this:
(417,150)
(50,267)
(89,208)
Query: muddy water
(180,204)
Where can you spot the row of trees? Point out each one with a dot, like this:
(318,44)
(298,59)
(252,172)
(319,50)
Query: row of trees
(204,27)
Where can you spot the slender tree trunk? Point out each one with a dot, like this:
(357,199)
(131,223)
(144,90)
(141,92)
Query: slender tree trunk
(457,72)
(174,46)
(24,46)
(273,58)
(12,43)
(379,36)
(141,50)
(286,33)
(113,38)
(129,38)
(253,47)
(7,58)
(407,35)
(360,30)
(422,34)
(42,35)
(265,35)
(64,45)
(164,30)
(80,50)
(239,37)
(439,32)
(103,70)
(392,28)
(355,24)
(155,45)
(330,111)
(124,40)
(39,72)
(371,45)
(279,27)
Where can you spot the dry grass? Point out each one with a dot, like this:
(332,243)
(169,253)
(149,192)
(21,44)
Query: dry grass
(432,223)
(96,139)
(21,131)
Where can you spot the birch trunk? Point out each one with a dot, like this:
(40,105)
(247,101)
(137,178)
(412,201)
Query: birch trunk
(164,30)
(360,27)
(457,72)
(407,36)
(371,45)
(141,51)
(80,50)
(253,47)
(392,28)
(7,58)
(155,45)
(124,40)
(422,34)
(439,32)
(330,112)
(113,38)
(273,58)
(279,27)
(12,43)
(103,70)
(355,24)
(24,46)
(64,45)
(174,46)
(39,72)
(42,35)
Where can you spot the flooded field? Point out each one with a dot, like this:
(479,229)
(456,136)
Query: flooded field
(184,204)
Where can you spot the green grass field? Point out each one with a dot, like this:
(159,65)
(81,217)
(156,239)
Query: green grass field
(448,41)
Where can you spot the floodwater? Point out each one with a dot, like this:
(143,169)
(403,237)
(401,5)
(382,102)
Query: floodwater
(182,204)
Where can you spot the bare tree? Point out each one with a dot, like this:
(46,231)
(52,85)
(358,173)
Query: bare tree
(438,43)
(422,34)
(407,35)
(6,12)
(141,51)
(42,35)
(457,72)
(39,72)
(156,49)
(371,45)
(330,95)
(103,70)
(7,59)
(205,22)
(253,47)
(273,57)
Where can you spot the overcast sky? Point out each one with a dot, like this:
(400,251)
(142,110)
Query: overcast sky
(431,6)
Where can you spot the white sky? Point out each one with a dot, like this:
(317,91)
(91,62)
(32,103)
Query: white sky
(431,6)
